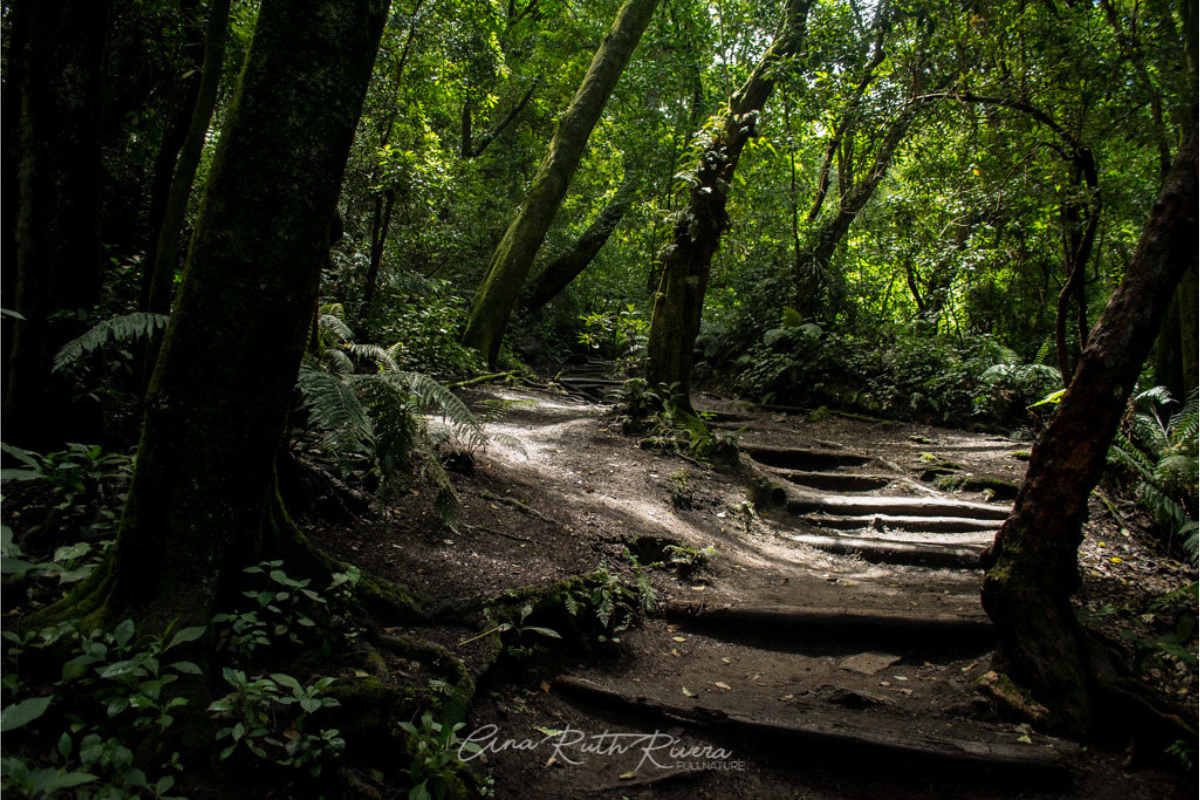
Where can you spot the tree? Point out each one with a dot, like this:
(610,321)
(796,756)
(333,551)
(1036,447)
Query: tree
(513,257)
(1032,567)
(52,97)
(686,261)
(559,273)
(202,503)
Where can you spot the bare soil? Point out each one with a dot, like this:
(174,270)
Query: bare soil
(810,655)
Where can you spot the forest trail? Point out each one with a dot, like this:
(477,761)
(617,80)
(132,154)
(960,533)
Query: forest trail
(831,645)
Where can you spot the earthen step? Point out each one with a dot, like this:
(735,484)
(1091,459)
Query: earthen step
(886,551)
(859,505)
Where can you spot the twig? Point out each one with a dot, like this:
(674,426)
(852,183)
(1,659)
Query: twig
(517,504)
(481,379)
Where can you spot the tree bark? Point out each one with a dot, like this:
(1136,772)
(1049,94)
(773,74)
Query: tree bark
(53,97)
(202,504)
(514,255)
(1033,567)
(686,261)
(560,272)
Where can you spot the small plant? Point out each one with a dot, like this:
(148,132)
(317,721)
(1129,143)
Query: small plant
(437,752)
(519,626)
(619,335)
(251,707)
(686,560)
(76,480)
(283,611)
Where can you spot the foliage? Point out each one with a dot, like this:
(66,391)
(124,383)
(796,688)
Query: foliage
(1160,451)
(904,373)
(115,673)
(378,419)
(79,482)
(283,611)
(261,712)
(118,331)
(619,335)
(435,748)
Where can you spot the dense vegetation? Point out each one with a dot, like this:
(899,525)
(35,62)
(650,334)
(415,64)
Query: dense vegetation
(913,209)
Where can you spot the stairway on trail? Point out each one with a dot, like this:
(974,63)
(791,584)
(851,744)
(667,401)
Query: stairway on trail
(881,667)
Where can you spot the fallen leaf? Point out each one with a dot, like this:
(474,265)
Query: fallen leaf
(675,653)
(548,731)
(724,686)
(628,776)
(544,686)
(688,692)
(678,638)
(726,660)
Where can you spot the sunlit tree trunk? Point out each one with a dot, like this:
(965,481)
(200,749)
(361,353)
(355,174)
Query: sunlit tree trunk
(686,261)
(52,253)
(560,272)
(501,286)
(202,503)
(1033,567)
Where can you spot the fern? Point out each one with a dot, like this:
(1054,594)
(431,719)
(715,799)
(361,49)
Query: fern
(380,417)
(1163,456)
(120,329)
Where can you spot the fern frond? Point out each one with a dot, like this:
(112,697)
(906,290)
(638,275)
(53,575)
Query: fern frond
(334,406)
(380,355)
(330,323)
(123,328)
(1158,395)
(1123,452)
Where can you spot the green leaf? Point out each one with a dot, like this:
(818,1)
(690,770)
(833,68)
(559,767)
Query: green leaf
(121,669)
(283,679)
(124,631)
(186,635)
(186,667)
(23,713)
(310,704)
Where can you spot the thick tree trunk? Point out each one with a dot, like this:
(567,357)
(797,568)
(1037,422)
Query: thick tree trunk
(686,261)
(53,99)
(560,272)
(202,504)
(166,251)
(497,295)
(1033,566)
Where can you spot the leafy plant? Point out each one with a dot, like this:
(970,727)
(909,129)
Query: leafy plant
(379,418)
(118,330)
(1161,452)
(434,748)
(251,707)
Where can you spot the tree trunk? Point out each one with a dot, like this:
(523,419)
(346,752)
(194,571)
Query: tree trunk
(385,206)
(686,261)
(182,108)
(166,252)
(1033,567)
(559,274)
(514,255)
(1078,239)
(202,504)
(812,262)
(53,99)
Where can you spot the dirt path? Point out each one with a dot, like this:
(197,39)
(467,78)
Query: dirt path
(829,646)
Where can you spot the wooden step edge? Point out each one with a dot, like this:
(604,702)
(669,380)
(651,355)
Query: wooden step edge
(888,551)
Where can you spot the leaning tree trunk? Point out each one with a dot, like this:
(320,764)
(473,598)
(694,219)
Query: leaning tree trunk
(497,295)
(1033,565)
(202,503)
(53,96)
(560,272)
(687,259)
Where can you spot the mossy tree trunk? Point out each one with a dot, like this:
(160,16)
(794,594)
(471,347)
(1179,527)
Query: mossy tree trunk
(560,272)
(686,261)
(1033,566)
(52,104)
(513,257)
(202,504)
